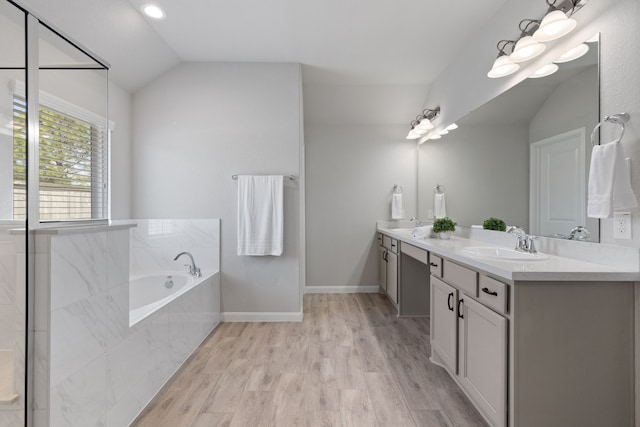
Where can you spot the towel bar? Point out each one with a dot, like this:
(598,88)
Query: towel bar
(291,177)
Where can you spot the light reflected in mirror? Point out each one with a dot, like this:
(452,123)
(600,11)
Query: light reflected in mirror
(522,157)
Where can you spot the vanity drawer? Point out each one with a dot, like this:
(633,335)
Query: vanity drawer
(394,246)
(493,294)
(413,252)
(461,277)
(435,265)
(386,241)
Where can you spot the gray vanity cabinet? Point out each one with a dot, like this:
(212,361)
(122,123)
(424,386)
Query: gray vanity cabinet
(388,266)
(482,361)
(444,323)
(469,339)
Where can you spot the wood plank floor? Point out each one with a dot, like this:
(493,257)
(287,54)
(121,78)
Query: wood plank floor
(351,362)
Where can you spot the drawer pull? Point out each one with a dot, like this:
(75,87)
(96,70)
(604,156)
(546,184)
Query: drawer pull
(488,292)
(450,301)
(460,302)
(433,264)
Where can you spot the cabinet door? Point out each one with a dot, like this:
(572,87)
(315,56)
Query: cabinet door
(382,267)
(392,276)
(444,322)
(483,359)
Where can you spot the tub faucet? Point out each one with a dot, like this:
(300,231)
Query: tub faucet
(193,270)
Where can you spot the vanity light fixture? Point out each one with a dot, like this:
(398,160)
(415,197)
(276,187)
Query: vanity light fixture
(527,47)
(503,65)
(554,25)
(422,124)
(153,11)
(544,71)
(573,53)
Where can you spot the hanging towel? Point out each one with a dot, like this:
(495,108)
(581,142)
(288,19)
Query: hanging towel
(260,215)
(439,207)
(609,182)
(397,212)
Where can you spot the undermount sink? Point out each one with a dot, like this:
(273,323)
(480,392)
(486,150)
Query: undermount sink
(505,254)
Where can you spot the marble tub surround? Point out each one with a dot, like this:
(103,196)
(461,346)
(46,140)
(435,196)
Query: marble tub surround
(91,368)
(155,242)
(553,268)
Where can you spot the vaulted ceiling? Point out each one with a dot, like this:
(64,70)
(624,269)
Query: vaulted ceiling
(382,50)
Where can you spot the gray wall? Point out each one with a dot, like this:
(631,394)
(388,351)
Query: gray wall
(197,125)
(481,167)
(351,170)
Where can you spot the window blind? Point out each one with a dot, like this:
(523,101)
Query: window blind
(72,165)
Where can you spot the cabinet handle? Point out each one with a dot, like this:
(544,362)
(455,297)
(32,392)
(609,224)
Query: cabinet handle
(488,292)
(460,302)
(385,256)
(433,264)
(450,301)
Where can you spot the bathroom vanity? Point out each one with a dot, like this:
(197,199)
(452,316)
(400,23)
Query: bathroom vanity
(544,342)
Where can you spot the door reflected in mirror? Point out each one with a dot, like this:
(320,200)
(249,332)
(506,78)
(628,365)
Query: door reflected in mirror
(523,157)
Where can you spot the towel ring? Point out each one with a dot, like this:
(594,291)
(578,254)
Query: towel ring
(439,189)
(398,188)
(620,118)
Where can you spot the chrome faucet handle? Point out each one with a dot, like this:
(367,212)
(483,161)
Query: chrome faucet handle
(531,247)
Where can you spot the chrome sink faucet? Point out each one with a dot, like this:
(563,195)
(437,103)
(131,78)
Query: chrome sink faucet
(525,242)
(193,270)
(418,221)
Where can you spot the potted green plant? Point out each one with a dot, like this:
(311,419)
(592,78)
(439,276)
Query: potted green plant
(494,224)
(444,227)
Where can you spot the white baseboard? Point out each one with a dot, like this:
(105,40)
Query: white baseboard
(237,316)
(341,289)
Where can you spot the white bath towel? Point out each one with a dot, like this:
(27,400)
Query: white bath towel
(260,215)
(397,211)
(439,206)
(609,182)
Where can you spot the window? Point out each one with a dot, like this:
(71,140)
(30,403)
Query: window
(72,157)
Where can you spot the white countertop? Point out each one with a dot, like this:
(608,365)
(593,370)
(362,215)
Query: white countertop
(553,268)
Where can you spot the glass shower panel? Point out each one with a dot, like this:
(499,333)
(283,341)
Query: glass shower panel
(73,132)
(12,219)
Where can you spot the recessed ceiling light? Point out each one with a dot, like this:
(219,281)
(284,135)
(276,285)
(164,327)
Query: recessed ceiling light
(153,11)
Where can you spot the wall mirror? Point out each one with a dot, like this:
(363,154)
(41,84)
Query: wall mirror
(523,156)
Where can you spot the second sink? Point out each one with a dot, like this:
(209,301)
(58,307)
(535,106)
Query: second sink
(494,252)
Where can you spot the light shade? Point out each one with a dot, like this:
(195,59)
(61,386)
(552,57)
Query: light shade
(153,11)
(554,25)
(415,134)
(526,48)
(573,53)
(452,126)
(443,132)
(544,71)
(436,136)
(424,125)
(502,66)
